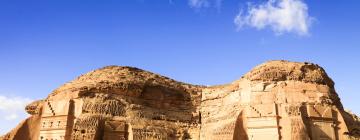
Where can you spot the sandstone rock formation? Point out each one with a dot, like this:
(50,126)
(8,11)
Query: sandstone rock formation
(275,100)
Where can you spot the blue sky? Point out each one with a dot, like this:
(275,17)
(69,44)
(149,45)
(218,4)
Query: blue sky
(45,43)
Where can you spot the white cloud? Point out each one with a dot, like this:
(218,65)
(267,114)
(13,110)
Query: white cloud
(11,117)
(12,111)
(197,4)
(12,107)
(282,16)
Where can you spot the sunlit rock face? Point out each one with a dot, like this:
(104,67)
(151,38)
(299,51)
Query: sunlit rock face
(275,100)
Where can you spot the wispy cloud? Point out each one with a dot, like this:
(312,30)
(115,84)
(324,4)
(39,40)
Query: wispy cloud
(12,107)
(198,4)
(282,16)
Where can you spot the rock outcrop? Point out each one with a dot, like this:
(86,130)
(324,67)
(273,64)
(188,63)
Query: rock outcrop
(275,100)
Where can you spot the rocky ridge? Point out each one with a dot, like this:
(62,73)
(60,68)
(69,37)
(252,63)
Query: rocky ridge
(275,100)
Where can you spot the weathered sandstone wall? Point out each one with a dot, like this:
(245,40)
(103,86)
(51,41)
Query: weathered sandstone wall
(275,100)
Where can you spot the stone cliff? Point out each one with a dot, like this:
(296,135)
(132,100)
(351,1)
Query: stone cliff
(275,100)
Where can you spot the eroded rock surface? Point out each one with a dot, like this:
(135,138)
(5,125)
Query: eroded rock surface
(275,100)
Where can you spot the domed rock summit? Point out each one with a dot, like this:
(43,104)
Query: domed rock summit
(277,100)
